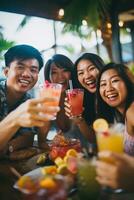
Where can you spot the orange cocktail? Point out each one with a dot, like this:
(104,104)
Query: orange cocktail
(110,140)
(50,90)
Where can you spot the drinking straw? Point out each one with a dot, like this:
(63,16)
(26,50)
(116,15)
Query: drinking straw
(70,84)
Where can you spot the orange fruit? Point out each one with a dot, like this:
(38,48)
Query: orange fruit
(47,183)
(49,169)
(71,152)
(22,181)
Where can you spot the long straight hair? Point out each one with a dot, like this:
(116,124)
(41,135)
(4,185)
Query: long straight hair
(103,109)
(89,113)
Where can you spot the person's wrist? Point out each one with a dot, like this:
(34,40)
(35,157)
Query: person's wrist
(14,120)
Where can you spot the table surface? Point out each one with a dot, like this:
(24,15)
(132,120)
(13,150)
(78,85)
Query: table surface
(7,180)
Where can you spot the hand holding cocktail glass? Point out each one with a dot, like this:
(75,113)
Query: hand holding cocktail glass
(74,102)
(108,139)
(50,92)
(119,175)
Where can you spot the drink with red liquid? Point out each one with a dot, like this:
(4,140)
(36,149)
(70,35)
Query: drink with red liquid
(75,99)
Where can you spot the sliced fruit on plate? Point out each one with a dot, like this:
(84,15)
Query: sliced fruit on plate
(25,182)
(47,183)
(71,152)
(49,170)
(72,164)
(62,169)
(100,125)
(66,159)
(59,161)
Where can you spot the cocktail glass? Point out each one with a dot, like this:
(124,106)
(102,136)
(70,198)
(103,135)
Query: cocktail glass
(111,140)
(88,188)
(51,91)
(75,99)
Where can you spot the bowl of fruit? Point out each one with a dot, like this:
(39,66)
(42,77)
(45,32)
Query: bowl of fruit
(60,145)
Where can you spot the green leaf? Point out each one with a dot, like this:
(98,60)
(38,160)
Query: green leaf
(23,23)
(90,10)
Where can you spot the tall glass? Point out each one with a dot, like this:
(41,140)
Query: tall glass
(88,188)
(75,99)
(111,140)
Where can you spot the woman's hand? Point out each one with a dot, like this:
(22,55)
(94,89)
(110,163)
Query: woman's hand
(120,174)
(68,112)
(67,108)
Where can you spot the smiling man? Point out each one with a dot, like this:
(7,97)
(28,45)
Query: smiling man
(18,113)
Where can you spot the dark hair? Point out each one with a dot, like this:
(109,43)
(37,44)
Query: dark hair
(89,113)
(94,58)
(103,109)
(22,52)
(60,61)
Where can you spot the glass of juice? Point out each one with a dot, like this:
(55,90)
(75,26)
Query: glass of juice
(111,140)
(51,91)
(75,99)
(88,188)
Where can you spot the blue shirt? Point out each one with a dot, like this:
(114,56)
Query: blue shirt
(4,108)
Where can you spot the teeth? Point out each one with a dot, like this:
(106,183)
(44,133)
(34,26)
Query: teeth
(90,82)
(112,96)
(24,81)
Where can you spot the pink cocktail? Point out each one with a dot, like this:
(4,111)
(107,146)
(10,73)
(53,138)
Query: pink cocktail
(75,99)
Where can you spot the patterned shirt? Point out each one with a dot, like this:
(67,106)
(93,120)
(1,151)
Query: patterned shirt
(4,108)
(128,143)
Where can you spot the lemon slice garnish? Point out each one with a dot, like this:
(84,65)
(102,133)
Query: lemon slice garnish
(100,125)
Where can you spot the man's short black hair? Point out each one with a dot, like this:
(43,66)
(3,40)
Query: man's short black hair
(22,52)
